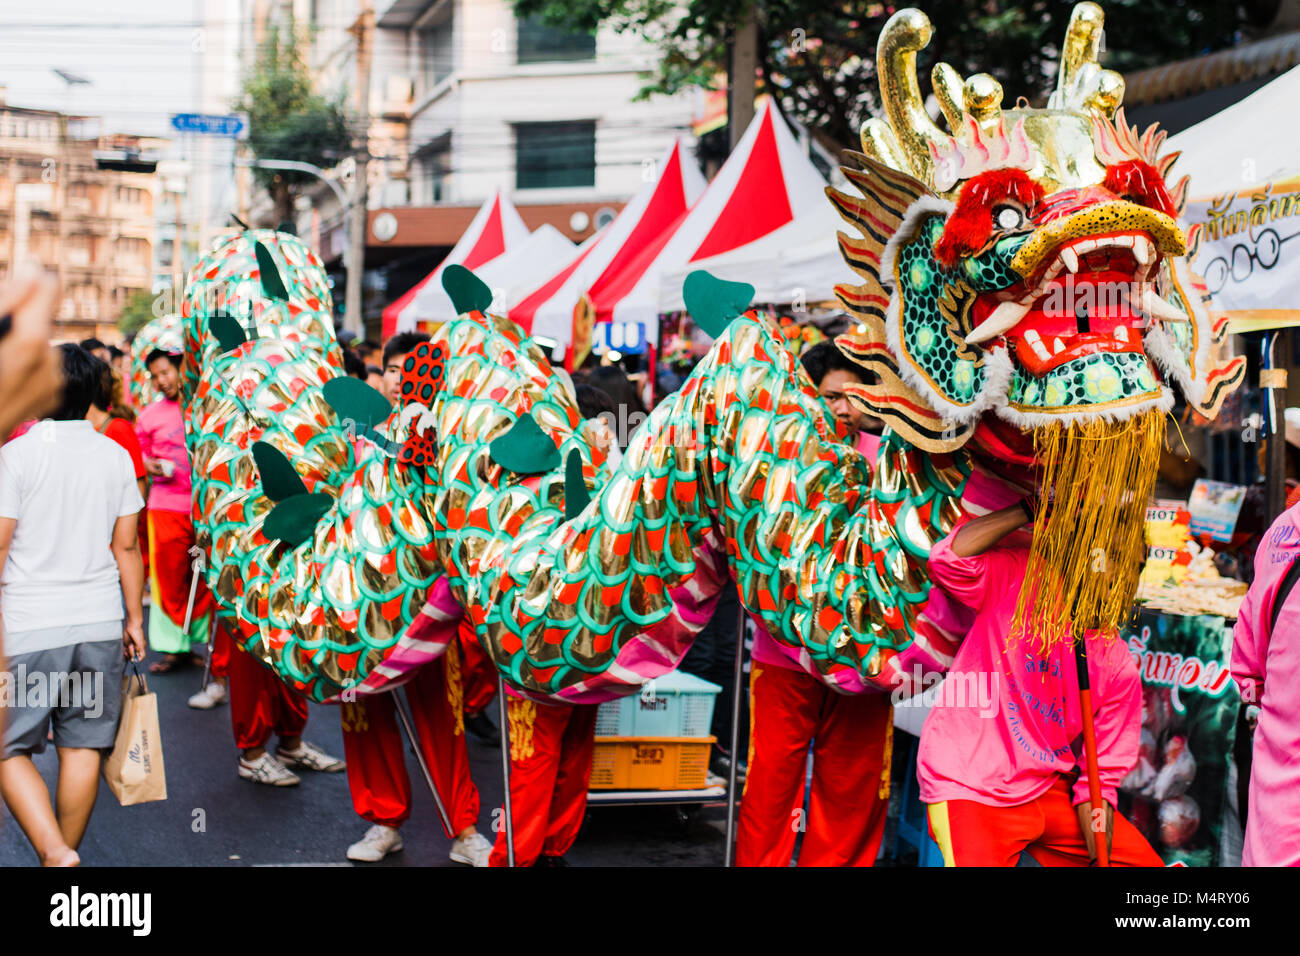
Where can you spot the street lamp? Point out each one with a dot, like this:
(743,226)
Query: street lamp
(351,269)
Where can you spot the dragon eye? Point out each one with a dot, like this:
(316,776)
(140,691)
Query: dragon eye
(1009,217)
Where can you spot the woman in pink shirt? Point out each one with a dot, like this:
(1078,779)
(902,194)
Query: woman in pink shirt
(1266,666)
(1001,757)
(161,431)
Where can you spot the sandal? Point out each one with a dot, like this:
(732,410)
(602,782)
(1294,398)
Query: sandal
(168,664)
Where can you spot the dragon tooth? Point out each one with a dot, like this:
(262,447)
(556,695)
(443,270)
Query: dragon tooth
(1142,250)
(1036,344)
(1070,259)
(1158,308)
(1121,333)
(1000,319)
(1057,346)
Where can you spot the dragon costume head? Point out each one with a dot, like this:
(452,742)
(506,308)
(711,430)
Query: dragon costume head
(1026,283)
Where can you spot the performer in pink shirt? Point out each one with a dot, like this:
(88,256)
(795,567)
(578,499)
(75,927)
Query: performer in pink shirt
(792,712)
(171,529)
(1001,758)
(1266,666)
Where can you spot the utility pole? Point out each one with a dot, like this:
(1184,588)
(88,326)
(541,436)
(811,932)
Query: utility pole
(62,173)
(742,64)
(364,30)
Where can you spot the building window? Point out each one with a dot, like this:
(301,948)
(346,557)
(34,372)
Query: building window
(539,43)
(437,53)
(430,169)
(552,155)
(435,168)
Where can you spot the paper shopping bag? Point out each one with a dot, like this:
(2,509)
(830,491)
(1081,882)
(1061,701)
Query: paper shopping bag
(134,770)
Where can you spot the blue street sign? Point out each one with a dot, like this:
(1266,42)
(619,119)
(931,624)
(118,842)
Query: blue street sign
(626,337)
(208,124)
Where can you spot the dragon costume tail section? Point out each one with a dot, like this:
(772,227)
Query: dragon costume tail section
(318,556)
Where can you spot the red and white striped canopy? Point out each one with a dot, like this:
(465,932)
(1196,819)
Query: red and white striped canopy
(766,185)
(495,229)
(637,234)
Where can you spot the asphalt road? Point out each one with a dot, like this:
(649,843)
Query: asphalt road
(212,817)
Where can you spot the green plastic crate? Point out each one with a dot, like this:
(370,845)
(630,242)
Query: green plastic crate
(674,705)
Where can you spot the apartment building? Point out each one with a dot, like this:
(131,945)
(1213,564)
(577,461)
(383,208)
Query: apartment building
(465,98)
(499,101)
(94,227)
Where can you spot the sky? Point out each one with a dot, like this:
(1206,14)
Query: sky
(144,58)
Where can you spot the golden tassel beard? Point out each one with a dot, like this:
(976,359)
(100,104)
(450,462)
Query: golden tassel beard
(1088,542)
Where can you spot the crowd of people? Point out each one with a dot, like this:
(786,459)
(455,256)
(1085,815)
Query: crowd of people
(95,500)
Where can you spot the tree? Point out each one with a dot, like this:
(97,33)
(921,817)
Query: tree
(288,119)
(137,311)
(817,57)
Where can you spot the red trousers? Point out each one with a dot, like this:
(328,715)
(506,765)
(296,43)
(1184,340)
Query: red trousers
(551,746)
(260,703)
(1047,828)
(142,530)
(374,747)
(851,739)
(222,643)
(479,671)
(173,536)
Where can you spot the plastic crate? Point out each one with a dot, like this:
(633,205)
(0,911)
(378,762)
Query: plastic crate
(650,763)
(674,705)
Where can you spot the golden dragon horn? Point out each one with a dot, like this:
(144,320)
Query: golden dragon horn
(906,32)
(1081,82)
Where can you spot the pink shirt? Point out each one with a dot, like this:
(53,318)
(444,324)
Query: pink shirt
(1266,666)
(162,435)
(768,651)
(869,445)
(1006,722)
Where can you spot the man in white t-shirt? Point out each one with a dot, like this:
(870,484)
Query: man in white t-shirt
(71,581)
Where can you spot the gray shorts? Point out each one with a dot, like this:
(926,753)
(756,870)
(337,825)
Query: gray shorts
(78,687)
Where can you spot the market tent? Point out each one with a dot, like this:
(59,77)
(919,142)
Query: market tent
(528,262)
(495,229)
(767,183)
(1244,165)
(799,263)
(640,229)
(524,298)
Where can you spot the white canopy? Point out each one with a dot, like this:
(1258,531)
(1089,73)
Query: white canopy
(495,230)
(1244,165)
(799,263)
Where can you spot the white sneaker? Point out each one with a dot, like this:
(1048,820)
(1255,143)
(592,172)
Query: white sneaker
(310,757)
(473,850)
(211,695)
(266,769)
(378,842)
